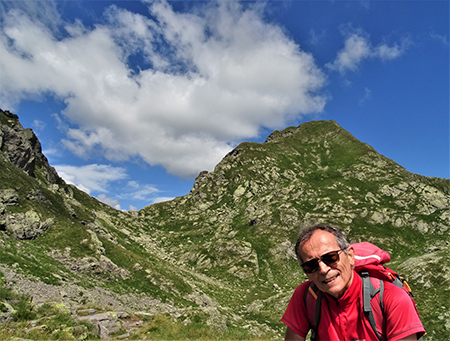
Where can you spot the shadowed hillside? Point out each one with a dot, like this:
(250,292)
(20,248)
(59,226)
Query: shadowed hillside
(221,257)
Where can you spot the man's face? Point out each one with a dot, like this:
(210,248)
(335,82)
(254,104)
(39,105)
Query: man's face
(332,279)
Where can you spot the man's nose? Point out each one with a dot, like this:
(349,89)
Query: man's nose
(323,268)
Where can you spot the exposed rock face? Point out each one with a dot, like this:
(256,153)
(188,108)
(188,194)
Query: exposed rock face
(9,196)
(23,149)
(26,225)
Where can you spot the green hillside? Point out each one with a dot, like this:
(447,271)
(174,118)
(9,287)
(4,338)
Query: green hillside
(218,261)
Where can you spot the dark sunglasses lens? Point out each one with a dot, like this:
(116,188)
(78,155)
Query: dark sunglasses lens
(330,257)
(310,266)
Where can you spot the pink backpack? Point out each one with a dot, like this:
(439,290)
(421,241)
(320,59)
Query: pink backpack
(369,264)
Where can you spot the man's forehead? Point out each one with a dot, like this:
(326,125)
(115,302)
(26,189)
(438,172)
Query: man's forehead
(320,240)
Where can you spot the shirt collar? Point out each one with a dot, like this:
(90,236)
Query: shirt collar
(352,292)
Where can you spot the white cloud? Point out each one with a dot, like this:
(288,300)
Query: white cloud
(138,191)
(38,125)
(109,201)
(367,96)
(357,48)
(161,199)
(385,52)
(91,177)
(210,77)
(51,151)
(316,38)
(442,38)
(44,12)
(102,178)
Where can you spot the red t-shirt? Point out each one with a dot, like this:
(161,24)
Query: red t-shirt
(343,319)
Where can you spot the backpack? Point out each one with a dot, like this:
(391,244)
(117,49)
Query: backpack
(369,260)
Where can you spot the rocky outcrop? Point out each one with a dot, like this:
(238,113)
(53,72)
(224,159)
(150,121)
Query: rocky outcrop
(9,196)
(6,312)
(106,323)
(23,149)
(90,265)
(26,225)
(21,225)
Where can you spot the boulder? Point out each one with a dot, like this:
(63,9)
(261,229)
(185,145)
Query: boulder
(6,312)
(107,323)
(9,196)
(26,225)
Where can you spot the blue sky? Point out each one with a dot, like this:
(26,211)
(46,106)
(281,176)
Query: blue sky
(132,99)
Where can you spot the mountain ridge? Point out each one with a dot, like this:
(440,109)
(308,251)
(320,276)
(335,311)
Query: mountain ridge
(224,251)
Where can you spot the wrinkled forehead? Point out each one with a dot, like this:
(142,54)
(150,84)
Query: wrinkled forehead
(321,242)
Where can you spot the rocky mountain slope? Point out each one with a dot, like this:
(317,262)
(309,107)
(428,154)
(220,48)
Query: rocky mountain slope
(224,252)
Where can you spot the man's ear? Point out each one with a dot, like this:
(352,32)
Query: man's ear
(351,255)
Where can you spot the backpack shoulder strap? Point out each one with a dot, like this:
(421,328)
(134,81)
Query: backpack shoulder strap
(381,296)
(369,293)
(312,292)
(315,328)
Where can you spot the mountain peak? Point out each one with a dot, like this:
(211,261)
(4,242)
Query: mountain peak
(315,126)
(312,148)
(23,149)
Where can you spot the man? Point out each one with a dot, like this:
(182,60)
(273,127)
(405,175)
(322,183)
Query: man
(328,260)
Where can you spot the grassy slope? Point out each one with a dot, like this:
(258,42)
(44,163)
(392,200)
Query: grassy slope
(243,217)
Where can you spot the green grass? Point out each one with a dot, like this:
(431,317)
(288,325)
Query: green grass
(162,327)
(53,323)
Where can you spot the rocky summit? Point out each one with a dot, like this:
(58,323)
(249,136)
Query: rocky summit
(222,256)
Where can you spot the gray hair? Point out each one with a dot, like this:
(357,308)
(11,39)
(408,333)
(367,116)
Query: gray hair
(307,233)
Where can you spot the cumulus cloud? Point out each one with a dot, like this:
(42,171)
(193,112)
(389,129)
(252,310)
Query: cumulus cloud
(44,12)
(358,47)
(208,77)
(104,179)
(91,177)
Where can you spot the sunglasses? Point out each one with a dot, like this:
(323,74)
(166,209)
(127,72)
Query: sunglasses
(329,258)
